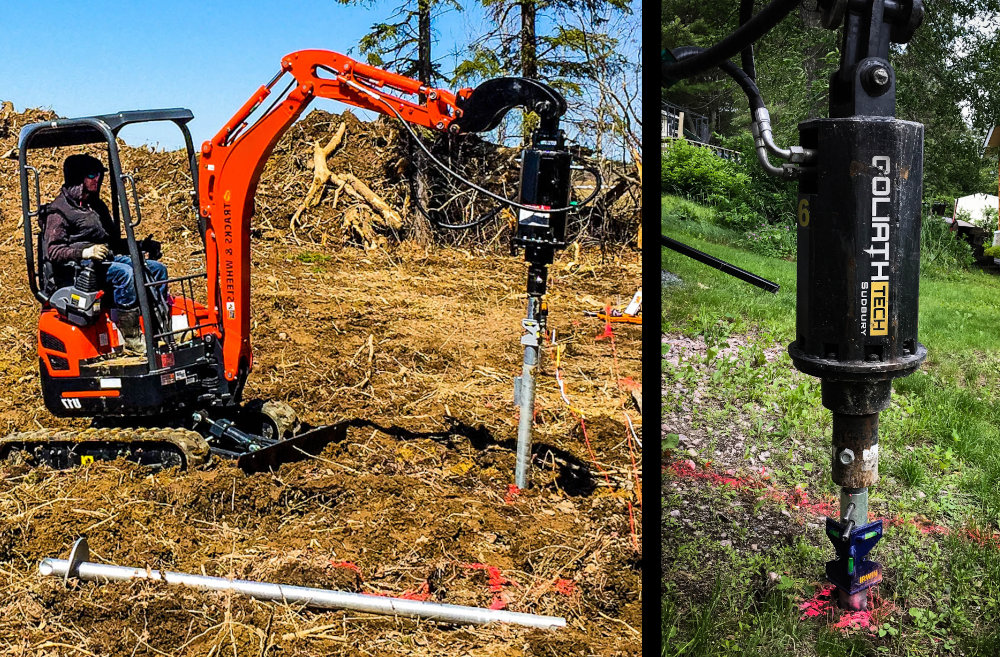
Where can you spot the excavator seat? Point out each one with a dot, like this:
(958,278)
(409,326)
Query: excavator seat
(51,275)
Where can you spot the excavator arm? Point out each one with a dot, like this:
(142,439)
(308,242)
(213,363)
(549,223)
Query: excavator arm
(232,161)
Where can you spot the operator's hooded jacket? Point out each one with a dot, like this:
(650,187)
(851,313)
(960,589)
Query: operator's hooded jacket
(71,224)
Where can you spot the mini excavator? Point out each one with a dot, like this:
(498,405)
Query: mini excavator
(181,402)
(860,175)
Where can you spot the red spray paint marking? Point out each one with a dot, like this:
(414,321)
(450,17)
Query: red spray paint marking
(565,586)
(923,526)
(973,534)
(496,583)
(497,580)
(689,470)
(982,538)
(800,498)
(348,565)
(628,383)
(822,605)
(512,492)
(608,333)
(421,593)
(797,497)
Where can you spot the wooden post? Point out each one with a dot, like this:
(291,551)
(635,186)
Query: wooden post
(680,125)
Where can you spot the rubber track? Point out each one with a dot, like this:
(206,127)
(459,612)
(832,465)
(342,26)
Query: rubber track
(189,443)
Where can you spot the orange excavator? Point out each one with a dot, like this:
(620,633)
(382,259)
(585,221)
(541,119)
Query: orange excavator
(181,401)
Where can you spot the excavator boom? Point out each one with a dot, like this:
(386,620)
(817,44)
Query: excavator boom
(232,161)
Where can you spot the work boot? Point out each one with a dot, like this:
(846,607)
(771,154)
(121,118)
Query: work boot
(128,324)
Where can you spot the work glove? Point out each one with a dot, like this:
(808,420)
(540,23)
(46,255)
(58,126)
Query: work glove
(151,247)
(96,252)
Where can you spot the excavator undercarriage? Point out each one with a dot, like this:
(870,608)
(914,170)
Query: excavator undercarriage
(280,439)
(155,447)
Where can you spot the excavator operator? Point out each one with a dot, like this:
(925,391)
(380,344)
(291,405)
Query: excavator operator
(78,226)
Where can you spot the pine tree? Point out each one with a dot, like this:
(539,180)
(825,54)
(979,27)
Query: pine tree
(403,43)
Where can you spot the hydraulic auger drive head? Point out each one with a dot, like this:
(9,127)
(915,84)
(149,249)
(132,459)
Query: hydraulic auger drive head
(859,264)
(860,173)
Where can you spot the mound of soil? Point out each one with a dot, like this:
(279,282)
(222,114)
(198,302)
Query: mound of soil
(417,345)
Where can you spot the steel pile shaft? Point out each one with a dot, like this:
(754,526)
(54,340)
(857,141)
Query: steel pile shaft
(320,598)
(858,497)
(526,397)
(522,466)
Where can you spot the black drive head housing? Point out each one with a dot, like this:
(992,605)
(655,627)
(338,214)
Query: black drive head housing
(859,250)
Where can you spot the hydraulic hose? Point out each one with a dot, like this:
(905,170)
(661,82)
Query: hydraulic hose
(746,83)
(746,56)
(736,42)
(487,216)
(374,93)
(761,126)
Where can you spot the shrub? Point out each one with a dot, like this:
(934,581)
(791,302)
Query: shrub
(697,173)
(989,223)
(773,199)
(745,197)
(675,208)
(941,249)
(775,240)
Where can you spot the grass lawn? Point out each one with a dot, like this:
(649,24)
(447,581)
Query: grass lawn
(746,477)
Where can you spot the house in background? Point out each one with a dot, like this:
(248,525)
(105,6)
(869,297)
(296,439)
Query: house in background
(976,205)
(695,126)
(975,231)
(677,122)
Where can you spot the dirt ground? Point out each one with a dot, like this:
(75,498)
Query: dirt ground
(415,344)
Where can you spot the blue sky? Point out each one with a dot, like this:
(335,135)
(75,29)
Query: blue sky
(97,57)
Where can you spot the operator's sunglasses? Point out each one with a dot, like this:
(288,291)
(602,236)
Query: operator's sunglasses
(91,176)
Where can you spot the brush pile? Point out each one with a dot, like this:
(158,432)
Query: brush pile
(373,185)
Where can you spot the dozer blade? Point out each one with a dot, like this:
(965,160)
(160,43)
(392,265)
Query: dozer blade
(155,447)
(297,448)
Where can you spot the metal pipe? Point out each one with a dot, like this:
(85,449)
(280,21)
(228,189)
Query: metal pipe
(859,498)
(309,597)
(794,154)
(855,450)
(853,517)
(761,150)
(524,391)
(721,265)
(764,143)
(855,408)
